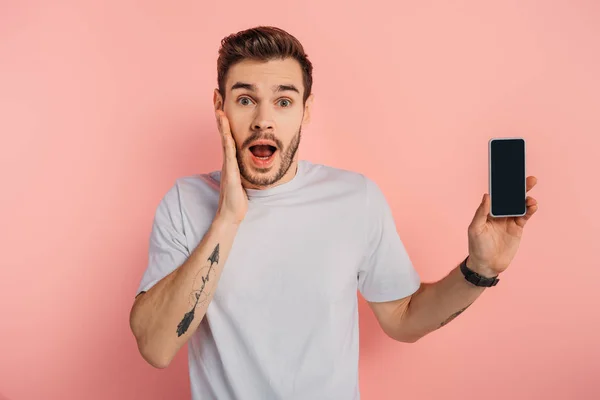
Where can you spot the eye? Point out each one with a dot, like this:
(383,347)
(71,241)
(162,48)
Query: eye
(285,103)
(245,101)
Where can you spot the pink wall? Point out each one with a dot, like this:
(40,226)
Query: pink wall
(103,105)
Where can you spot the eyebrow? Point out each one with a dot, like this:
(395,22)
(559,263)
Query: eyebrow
(277,88)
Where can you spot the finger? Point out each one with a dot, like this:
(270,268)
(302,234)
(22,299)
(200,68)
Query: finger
(532,207)
(530,201)
(226,136)
(530,182)
(222,122)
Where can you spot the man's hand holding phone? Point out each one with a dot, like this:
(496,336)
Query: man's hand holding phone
(497,227)
(233,201)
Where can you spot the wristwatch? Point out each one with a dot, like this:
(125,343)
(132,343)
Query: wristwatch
(475,278)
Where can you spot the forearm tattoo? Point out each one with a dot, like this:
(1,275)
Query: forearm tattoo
(456,314)
(196,295)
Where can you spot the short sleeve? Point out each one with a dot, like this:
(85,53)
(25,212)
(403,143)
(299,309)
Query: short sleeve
(168,246)
(387,272)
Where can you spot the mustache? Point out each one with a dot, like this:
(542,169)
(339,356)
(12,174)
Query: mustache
(262,136)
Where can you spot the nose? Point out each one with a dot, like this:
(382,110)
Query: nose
(263,120)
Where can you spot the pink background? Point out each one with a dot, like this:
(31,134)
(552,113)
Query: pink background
(104,104)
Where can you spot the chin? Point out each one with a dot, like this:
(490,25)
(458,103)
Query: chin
(262,172)
(259,172)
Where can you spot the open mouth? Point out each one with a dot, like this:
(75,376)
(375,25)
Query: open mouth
(263,151)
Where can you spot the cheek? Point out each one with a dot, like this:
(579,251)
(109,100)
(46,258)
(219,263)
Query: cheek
(291,122)
(238,136)
(238,127)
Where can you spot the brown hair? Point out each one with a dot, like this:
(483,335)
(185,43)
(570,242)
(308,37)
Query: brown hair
(262,43)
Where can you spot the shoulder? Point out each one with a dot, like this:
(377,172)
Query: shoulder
(366,193)
(190,189)
(341,178)
(351,180)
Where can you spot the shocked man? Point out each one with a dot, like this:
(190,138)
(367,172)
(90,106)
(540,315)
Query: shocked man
(257,266)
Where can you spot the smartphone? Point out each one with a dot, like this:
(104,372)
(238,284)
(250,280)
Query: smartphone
(507,177)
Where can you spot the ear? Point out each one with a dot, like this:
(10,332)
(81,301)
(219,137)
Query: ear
(218,100)
(308,109)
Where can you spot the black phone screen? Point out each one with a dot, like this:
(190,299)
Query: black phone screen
(507,177)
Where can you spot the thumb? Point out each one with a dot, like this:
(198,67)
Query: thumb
(482,212)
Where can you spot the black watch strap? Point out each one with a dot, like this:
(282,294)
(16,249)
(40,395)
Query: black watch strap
(475,278)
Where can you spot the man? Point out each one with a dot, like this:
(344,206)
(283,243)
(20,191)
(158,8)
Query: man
(257,266)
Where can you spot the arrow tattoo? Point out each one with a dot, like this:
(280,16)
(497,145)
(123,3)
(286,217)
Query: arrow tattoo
(183,326)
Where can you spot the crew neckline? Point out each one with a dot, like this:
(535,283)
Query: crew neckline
(278,189)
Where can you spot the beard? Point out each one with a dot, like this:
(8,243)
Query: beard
(262,177)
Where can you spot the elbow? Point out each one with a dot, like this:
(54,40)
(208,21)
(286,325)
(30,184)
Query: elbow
(404,337)
(411,339)
(407,338)
(155,358)
(151,351)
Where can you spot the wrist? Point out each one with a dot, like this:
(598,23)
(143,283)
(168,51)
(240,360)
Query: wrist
(480,268)
(478,275)
(224,221)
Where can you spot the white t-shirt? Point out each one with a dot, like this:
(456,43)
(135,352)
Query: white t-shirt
(283,323)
